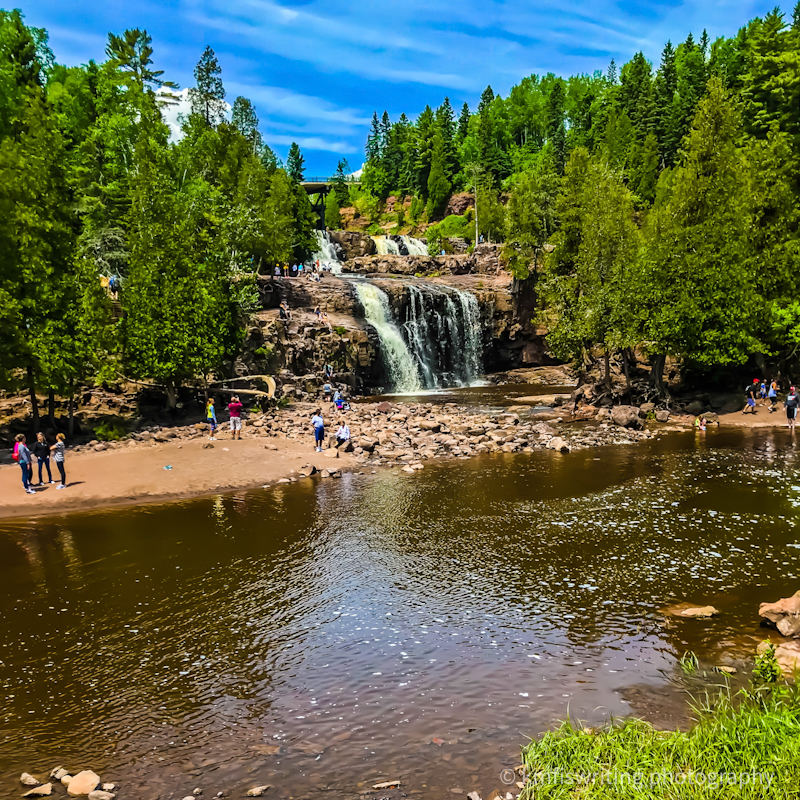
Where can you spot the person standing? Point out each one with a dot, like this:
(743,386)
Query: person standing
(773,396)
(235,410)
(24,461)
(211,418)
(791,408)
(319,430)
(59,448)
(750,394)
(41,450)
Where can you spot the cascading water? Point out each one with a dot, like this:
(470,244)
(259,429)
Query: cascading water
(326,252)
(386,246)
(415,247)
(400,365)
(437,342)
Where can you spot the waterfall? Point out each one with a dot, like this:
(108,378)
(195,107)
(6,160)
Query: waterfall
(415,247)
(473,344)
(386,246)
(400,366)
(326,253)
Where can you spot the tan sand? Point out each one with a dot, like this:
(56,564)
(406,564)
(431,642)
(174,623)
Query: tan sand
(137,475)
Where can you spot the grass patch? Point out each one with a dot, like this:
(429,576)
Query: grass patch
(340,329)
(743,747)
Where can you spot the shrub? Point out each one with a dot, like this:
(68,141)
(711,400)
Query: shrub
(340,330)
(110,432)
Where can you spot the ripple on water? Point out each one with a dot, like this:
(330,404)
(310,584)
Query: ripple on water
(324,634)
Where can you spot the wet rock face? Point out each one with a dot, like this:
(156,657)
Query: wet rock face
(353,244)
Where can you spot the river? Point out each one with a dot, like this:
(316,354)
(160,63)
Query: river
(322,635)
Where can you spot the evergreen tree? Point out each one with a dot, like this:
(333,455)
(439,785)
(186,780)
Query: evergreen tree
(132,53)
(244,119)
(611,73)
(487,97)
(645,169)
(333,219)
(208,96)
(463,122)
(665,91)
(295,163)
(446,122)
(438,184)
(340,188)
(373,148)
(696,284)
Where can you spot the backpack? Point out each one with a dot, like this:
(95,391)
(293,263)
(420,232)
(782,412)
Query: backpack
(16,451)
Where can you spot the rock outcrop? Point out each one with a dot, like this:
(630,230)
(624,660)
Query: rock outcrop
(783,615)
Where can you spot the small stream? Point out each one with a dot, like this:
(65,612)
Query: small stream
(318,637)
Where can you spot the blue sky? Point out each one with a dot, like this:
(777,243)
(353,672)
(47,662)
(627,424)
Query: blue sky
(316,70)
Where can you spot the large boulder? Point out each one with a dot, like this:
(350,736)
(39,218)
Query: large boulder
(694,408)
(783,615)
(625,416)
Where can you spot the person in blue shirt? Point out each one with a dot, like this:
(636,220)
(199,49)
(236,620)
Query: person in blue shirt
(319,430)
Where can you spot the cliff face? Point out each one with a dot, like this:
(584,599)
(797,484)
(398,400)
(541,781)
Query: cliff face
(485,259)
(303,345)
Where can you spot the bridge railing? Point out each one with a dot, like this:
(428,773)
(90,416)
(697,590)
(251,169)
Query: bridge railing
(319,179)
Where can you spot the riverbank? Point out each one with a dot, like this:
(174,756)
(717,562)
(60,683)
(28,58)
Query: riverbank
(163,464)
(151,471)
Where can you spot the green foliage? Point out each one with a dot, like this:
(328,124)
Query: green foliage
(340,330)
(737,751)
(295,163)
(208,96)
(333,219)
(766,669)
(689,662)
(109,431)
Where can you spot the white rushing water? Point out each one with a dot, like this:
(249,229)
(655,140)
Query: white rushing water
(326,253)
(386,246)
(415,247)
(400,364)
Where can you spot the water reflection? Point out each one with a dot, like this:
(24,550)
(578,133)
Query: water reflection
(321,634)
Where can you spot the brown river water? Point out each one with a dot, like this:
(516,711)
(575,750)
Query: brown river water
(318,637)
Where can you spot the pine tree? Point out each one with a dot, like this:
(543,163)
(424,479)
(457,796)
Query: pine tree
(665,91)
(373,148)
(208,96)
(295,163)
(132,53)
(445,120)
(244,119)
(486,99)
(385,130)
(463,122)
(645,168)
(438,184)
(340,188)
(611,73)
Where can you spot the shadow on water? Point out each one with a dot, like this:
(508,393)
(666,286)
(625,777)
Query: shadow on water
(321,635)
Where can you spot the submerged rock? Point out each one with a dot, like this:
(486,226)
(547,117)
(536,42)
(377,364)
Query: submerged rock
(28,779)
(783,615)
(40,791)
(691,612)
(257,791)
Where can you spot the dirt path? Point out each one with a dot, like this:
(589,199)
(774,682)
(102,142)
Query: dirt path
(117,477)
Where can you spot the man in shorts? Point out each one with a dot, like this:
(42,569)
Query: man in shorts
(235,410)
(750,393)
(791,408)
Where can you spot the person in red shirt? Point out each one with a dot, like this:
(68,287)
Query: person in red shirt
(235,409)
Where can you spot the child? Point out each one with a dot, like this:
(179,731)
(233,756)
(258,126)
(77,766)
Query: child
(211,418)
(59,448)
(319,430)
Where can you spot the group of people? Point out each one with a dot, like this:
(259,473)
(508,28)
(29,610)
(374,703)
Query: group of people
(313,273)
(234,417)
(759,392)
(41,450)
(318,424)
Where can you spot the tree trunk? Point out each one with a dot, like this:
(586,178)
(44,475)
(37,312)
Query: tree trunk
(71,408)
(34,402)
(657,373)
(626,370)
(51,408)
(172,395)
(607,359)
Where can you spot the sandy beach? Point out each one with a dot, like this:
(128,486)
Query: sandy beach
(137,475)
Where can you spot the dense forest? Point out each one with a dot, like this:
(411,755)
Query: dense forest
(92,191)
(651,207)
(670,196)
